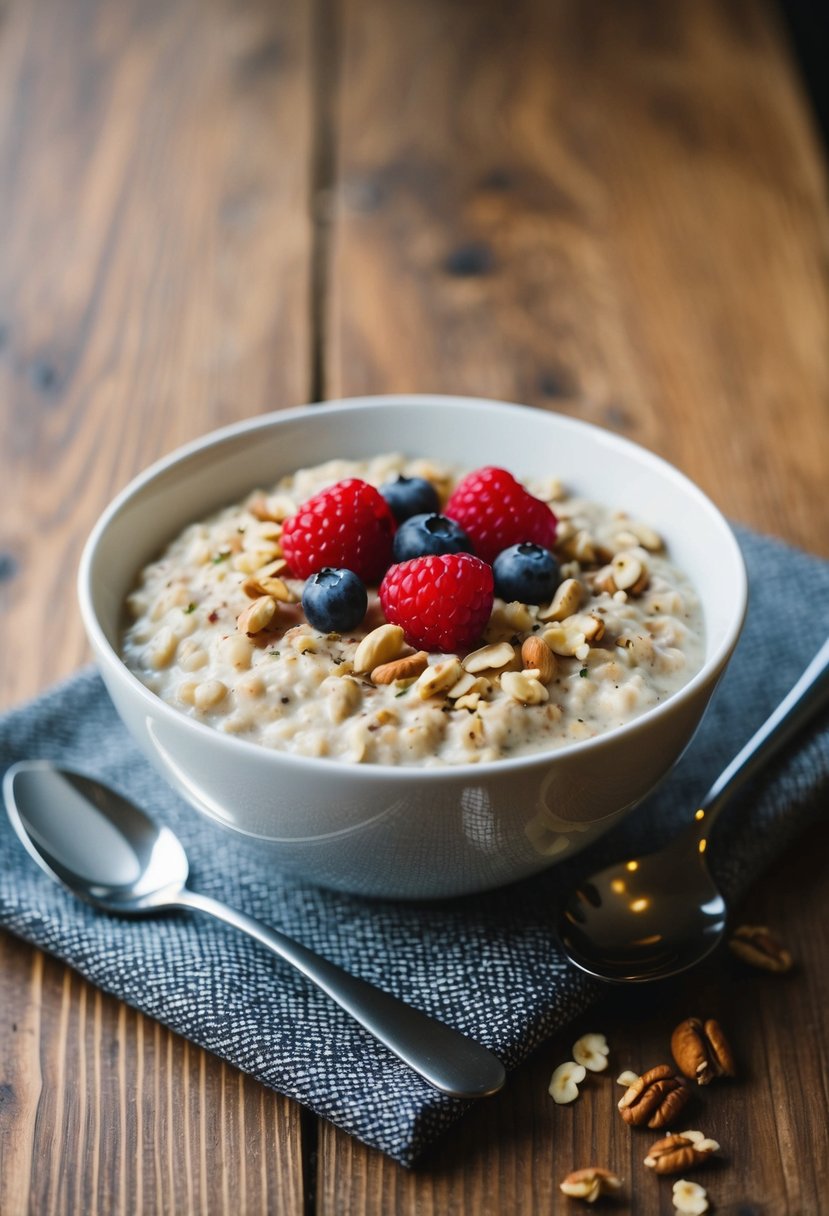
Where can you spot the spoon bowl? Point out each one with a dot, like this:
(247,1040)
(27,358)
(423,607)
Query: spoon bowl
(651,917)
(100,846)
(634,921)
(111,854)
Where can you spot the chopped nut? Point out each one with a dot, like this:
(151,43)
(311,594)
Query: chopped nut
(690,1198)
(681,1151)
(261,535)
(623,540)
(279,589)
(275,507)
(378,647)
(564,603)
(565,1082)
(407,668)
(273,569)
(582,547)
(535,653)
(702,1051)
(627,1078)
(757,946)
(592,1051)
(654,1099)
(253,588)
(589,1184)
(250,562)
(523,687)
(628,572)
(470,686)
(494,656)
(438,678)
(256,616)
(464,684)
(603,581)
(470,700)
(518,616)
(343,696)
(646,536)
(572,636)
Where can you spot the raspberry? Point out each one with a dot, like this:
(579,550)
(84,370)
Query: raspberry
(442,602)
(497,512)
(348,526)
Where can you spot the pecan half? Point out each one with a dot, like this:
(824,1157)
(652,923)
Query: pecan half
(702,1051)
(679,1152)
(758,947)
(655,1099)
(590,1183)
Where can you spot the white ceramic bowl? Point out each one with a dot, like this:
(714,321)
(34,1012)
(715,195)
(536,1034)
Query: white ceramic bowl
(404,832)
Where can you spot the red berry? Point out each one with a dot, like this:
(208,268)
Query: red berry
(442,602)
(496,512)
(348,526)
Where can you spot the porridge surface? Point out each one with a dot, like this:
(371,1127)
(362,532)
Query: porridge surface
(623,632)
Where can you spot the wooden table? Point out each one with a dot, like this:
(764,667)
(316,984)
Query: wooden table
(214,208)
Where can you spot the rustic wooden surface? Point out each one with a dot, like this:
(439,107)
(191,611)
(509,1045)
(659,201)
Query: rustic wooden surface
(211,208)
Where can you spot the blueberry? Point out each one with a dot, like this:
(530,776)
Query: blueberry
(334,600)
(429,534)
(526,572)
(408,496)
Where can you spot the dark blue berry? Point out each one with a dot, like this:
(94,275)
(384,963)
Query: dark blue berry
(408,496)
(334,600)
(424,535)
(526,572)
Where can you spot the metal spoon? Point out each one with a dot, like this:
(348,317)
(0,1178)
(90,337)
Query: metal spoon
(111,854)
(653,916)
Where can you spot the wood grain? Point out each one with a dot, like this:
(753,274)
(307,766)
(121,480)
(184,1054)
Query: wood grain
(105,1111)
(155,162)
(510,1153)
(615,211)
(155,282)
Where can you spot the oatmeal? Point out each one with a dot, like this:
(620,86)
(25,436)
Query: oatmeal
(218,631)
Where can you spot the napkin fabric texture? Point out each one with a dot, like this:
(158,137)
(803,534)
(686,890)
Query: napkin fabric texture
(488,964)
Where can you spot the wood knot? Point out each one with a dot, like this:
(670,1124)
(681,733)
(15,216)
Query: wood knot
(470,260)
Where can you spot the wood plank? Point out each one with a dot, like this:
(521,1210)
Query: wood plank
(155,270)
(105,1111)
(615,212)
(612,211)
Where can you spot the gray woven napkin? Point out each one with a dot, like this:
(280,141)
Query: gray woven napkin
(488,964)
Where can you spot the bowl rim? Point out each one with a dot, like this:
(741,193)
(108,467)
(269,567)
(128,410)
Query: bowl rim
(711,669)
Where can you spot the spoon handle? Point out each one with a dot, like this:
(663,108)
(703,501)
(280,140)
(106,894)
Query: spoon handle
(809,695)
(444,1057)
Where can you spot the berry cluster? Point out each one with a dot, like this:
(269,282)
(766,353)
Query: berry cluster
(438,573)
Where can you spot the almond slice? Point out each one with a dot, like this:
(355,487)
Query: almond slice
(407,668)
(496,655)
